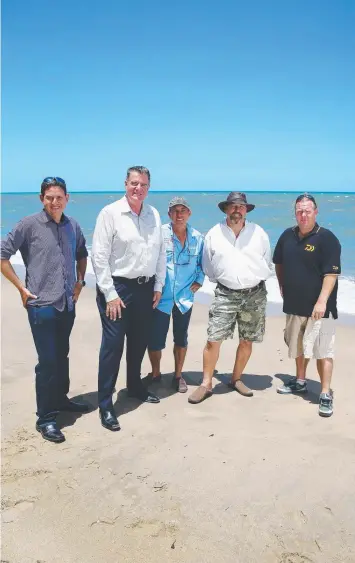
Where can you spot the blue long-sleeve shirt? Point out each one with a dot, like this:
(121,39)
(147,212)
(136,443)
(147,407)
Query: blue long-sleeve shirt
(184,267)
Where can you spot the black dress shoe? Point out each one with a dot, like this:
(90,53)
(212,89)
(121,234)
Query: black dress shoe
(144,396)
(72,406)
(51,432)
(109,420)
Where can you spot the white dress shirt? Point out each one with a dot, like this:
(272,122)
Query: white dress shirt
(238,262)
(128,245)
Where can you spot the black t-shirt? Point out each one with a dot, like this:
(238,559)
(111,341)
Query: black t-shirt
(305,261)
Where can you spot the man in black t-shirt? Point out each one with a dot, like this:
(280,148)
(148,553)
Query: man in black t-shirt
(307,262)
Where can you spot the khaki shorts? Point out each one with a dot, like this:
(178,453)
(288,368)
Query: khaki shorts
(247,308)
(313,339)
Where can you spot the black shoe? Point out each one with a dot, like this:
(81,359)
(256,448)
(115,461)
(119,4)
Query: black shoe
(109,420)
(144,396)
(51,432)
(72,406)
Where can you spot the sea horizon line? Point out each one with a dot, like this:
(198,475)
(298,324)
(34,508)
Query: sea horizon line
(192,191)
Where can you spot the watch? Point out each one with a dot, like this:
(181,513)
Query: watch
(82,282)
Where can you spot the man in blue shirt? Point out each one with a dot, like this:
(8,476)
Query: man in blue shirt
(184,277)
(54,252)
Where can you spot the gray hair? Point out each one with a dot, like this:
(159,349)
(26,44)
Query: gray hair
(140,170)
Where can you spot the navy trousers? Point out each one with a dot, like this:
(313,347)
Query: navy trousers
(51,331)
(134,324)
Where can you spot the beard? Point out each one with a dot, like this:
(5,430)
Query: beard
(235,217)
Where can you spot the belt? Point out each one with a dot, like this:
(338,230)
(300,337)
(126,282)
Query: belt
(247,290)
(140,280)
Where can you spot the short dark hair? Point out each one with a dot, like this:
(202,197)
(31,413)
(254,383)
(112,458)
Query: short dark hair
(53,181)
(306,196)
(140,170)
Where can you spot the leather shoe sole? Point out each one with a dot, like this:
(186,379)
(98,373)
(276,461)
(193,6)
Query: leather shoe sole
(114,426)
(57,438)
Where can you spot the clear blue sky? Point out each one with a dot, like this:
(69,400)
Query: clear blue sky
(255,94)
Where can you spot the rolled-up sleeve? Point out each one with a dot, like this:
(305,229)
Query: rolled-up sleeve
(160,273)
(13,241)
(207,260)
(81,250)
(101,252)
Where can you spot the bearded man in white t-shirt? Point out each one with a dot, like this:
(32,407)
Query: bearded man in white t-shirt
(237,257)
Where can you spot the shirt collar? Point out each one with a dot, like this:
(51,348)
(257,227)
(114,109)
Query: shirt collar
(246,224)
(125,207)
(315,229)
(46,218)
(188,231)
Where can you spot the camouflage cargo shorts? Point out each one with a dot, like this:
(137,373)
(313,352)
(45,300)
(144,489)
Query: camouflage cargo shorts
(247,308)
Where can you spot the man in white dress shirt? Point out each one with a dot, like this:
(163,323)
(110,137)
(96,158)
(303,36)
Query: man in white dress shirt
(128,257)
(237,256)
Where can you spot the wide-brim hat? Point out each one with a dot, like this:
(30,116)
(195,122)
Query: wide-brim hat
(236,197)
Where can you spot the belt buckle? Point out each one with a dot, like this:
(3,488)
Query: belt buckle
(141,280)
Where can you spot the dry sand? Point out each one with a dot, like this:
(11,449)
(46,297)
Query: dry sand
(240,480)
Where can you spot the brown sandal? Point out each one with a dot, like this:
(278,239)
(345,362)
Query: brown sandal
(179,384)
(199,395)
(241,388)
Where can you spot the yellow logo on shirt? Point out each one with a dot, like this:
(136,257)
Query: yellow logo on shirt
(309,247)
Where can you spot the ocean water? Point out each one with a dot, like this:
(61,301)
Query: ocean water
(274,212)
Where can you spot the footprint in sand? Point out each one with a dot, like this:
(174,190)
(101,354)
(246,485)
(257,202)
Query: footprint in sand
(294,558)
(153,528)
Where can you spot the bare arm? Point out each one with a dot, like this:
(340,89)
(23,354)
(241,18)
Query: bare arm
(81,268)
(10,274)
(329,281)
(80,275)
(280,276)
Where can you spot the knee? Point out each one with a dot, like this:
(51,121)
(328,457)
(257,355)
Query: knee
(245,344)
(211,346)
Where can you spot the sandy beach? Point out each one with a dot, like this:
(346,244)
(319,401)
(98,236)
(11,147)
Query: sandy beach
(235,479)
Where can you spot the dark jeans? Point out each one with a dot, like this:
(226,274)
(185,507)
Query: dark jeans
(135,325)
(51,331)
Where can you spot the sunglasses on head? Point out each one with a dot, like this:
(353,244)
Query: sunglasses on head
(306,196)
(55,180)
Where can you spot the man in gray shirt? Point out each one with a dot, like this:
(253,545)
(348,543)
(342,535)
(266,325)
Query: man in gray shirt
(50,244)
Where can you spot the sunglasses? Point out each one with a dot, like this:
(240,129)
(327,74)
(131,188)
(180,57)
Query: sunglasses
(306,196)
(55,180)
(181,260)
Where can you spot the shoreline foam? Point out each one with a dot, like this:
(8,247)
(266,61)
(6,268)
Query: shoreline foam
(346,291)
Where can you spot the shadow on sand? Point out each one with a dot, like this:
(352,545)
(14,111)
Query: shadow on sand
(313,388)
(65,419)
(251,380)
(164,389)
